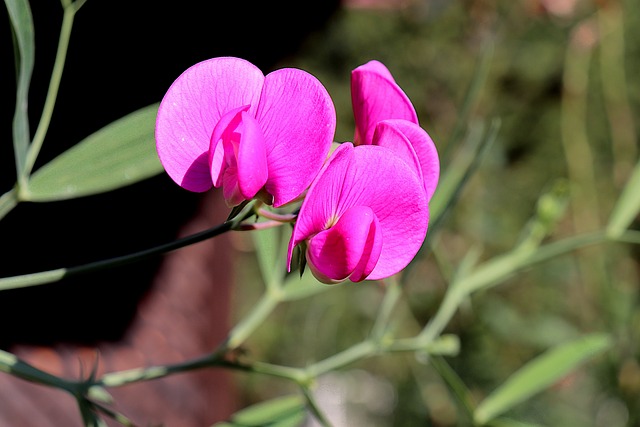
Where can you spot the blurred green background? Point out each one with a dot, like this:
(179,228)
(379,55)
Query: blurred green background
(561,77)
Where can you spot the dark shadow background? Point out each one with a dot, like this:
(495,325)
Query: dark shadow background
(122,57)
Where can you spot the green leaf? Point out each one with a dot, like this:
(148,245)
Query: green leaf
(538,374)
(120,154)
(22,25)
(627,206)
(286,411)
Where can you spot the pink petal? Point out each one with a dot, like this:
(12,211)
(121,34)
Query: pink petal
(218,156)
(377,67)
(191,108)
(375,97)
(347,246)
(318,210)
(298,120)
(238,160)
(252,158)
(230,188)
(415,146)
(371,253)
(375,177)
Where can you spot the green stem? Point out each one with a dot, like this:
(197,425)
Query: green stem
(54,85)
(8,201)
(362,350)
(497,270)
(444,345)
(10,364)
(276,216)
(286,372)
(448,307)
(253,320)
(117,379)
(393,292)
(51,276)
(314,408)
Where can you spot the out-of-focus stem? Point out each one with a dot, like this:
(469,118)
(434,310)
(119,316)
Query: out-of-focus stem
(51,276)
(584,201)
(253,320)
(614,87)
(392,293)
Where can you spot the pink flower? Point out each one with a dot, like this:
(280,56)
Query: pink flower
(365,216)
(222,123)
(385,116)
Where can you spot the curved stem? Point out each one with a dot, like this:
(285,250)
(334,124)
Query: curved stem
(120,378)
(51,276)
(54,85)
(362,350)
(392,294)
(10,364)
(276,216)
(314,408)
(498,269)
(252,321)
(8,201)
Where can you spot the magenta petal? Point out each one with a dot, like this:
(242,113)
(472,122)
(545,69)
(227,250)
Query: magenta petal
(414,145)
(318,207)
(376,67)
(252,158)
(371,253)
(389,135)
(224,130)
(375,97)
(298,119)
(375,177)
(335,254)
(230,188)
(190,110)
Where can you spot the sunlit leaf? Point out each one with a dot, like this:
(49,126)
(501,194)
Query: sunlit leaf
(120,154)
(286,411)
(22,24)
(540,373)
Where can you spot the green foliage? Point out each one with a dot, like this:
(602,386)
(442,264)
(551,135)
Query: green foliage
(120,154)
(286,411)
(540,373)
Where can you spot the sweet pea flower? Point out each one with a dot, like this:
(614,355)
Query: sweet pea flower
(385,116)
(223,123)
(365,216)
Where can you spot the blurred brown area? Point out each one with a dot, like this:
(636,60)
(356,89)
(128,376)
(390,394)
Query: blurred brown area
(185,315)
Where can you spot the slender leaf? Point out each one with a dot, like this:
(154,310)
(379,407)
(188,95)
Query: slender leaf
(22,24)
(120,154)
(286,411)
(540,373)
(455,384)
(627,206)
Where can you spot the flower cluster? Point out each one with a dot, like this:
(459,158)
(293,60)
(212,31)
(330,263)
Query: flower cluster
(365,206)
